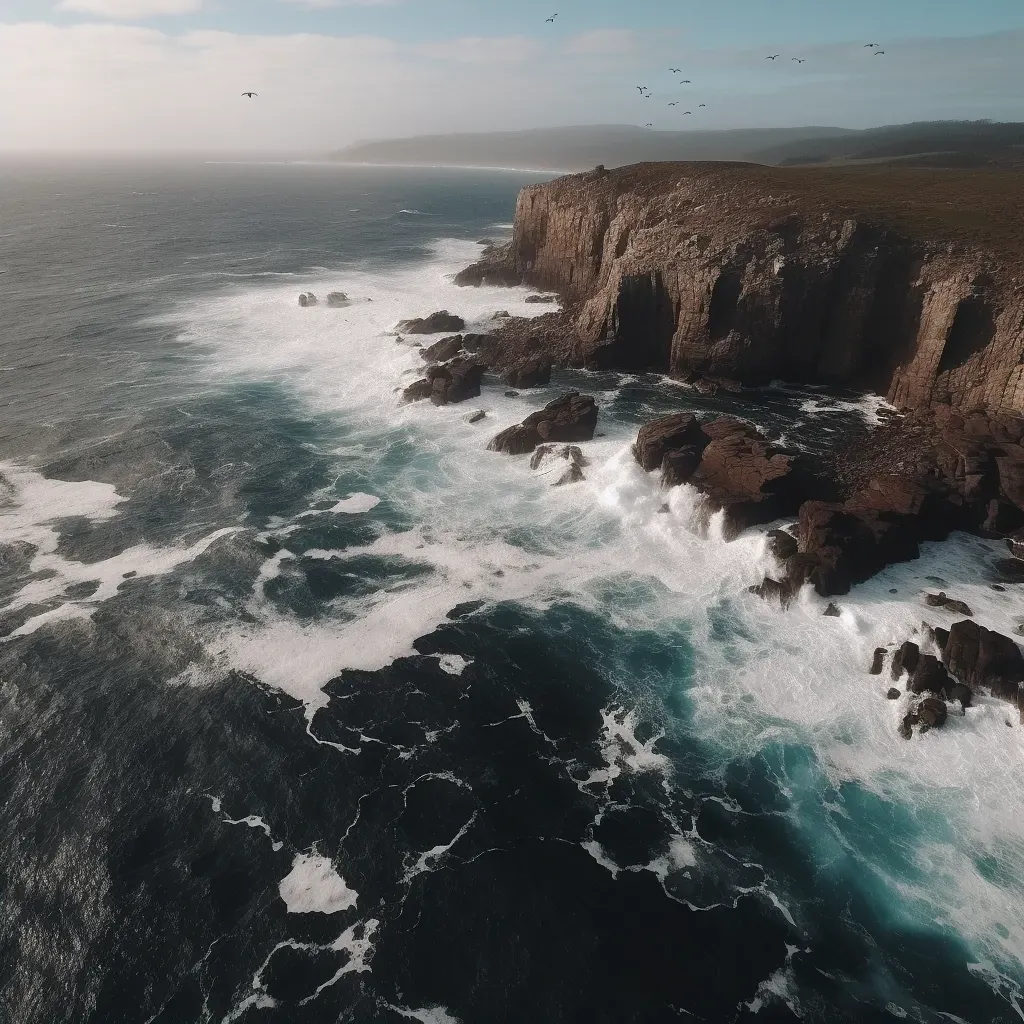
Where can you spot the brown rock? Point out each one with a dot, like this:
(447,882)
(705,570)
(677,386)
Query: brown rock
(905,659)
(657,438)
(983,659)
(878,661)
(573,417)
(443,350)
(782,545)
(930,676)
(532,372)
(436,323)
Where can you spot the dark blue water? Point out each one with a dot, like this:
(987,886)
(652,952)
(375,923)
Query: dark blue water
(313,710)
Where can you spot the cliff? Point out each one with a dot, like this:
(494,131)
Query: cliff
(906,282)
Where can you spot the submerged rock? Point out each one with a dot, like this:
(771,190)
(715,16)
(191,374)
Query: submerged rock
(338,300)
(541,298)
(447,383)
(940,600)
(307,299)
(832,610)
(475,416)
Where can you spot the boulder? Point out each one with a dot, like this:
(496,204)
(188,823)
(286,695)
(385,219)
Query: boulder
(783,545)
(573,417)
(338,300)
(893,693)
(532,372)
(1016,544)
(657,438)
(307,299)
(541,298)
(502,314)
(832,611)
(443,350)
(878,661)
(983,659)
(450,382)
(961,693)
(932,713)
(437,323)
(475,416)
(742,474)
(905,659)
(930,676)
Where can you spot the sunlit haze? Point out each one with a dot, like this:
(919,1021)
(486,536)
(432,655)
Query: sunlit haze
(169,74)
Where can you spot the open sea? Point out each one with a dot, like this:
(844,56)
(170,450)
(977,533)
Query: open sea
(314,710)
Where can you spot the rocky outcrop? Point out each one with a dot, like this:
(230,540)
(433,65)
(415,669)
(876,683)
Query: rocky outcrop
(338,300)
(443,350)
(454,381)
(730,463)
(754,274)
(571,418)
(307,299)
(437,323)
(981,658)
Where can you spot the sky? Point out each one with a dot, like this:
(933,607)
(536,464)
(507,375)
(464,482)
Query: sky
(158,75)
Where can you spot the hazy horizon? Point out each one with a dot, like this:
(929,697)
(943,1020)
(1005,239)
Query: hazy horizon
(164,76)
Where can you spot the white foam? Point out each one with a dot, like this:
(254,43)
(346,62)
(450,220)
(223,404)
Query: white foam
(616,544)
(454,664)
(352,505)
(314,887)
(31,513)
(428,1015)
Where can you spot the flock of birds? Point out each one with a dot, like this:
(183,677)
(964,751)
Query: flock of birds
(646,93)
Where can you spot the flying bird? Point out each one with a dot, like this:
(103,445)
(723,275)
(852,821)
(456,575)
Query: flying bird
(687,111)
(798,60)
(551,19)
(868,45)
(686,81)
(676,71)
(878,53)
(773,56)
(701,104)
(674,103)
(250,94)
(648,125)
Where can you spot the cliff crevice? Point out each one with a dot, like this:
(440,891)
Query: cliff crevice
(756,274)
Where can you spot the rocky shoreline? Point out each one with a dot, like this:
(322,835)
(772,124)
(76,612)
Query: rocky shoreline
(951,459)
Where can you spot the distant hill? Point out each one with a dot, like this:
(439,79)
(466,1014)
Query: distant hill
(577,147)
(925,144)
(929,143)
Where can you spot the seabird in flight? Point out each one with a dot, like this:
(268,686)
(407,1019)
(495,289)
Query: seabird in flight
(676,71)
(773,56)
(687,111)
(551,19)
(798,60)
(648,125)
(250,94)
(878,53)
(674,103)
(686,81)
(701,104)
(868,45)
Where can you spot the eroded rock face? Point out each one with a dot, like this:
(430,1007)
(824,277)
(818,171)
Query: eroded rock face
(437,323)
(751,274)
(573,417)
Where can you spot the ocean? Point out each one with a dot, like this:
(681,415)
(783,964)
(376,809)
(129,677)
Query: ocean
(312,709)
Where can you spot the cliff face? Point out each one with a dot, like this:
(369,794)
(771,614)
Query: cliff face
(760,274)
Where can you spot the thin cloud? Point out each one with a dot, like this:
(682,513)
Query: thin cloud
(482,49)
(325,5)
(130,9)
(603,41)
